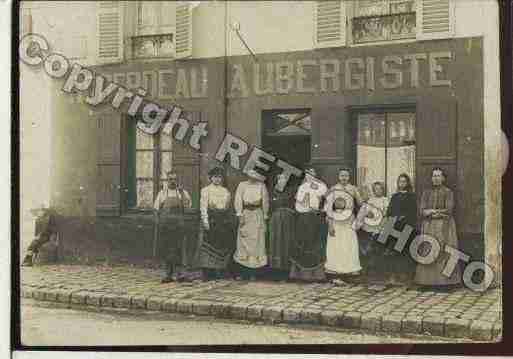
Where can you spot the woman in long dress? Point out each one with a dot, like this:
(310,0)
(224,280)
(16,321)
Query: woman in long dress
(436,207)
(218,227)
(281,227)
(252,208)
(342,252)
(403,206)
(307,252)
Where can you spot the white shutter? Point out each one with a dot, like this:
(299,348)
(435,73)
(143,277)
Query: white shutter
(183,33)
(330,23)
(109,31)
(435,19)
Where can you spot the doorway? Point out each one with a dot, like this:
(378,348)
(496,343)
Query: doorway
(287,135)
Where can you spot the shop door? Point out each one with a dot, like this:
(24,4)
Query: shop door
(385,148)
(287,135)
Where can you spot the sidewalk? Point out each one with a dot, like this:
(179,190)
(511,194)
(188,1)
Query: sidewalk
(460,314)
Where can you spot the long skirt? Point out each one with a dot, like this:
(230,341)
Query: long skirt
(342,250)
(281,233)
(444,230)
(251,252)
(218,243)
(307,254)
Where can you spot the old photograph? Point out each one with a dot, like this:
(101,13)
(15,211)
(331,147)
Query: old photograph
(259,172)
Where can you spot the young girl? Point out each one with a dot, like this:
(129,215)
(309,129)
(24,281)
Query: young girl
(371,215)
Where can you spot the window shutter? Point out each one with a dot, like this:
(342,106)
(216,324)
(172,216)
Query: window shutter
(435,19)
(108,164)
(183,33)
(436,139)
(330,23)
(109,31)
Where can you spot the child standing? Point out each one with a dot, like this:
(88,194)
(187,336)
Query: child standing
(370,217)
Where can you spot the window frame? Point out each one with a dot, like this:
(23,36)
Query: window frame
(157,28)
(354,111)
(130,167)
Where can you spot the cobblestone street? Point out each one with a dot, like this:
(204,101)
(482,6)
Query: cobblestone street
(459,314)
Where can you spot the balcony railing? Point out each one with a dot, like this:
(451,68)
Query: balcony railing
(153,46)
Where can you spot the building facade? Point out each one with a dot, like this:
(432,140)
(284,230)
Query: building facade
(380,87)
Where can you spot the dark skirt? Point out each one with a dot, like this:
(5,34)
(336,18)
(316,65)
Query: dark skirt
(281,233)
(218,243)
(171,239)
(307,252)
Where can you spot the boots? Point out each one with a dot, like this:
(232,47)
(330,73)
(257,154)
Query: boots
(169,274)
(27,261)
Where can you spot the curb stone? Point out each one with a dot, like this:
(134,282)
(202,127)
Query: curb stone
(412,325)
(484,330)
(433,325)
(481,330)
(391,323)
(352,320)
(457,328)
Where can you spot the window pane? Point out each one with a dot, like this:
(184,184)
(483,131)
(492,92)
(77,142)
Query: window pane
(144,193)
(166,141)
(167,13)
(371,7)
(165,163)
(287,123)
(401,147)
(402,6)
(371,152)
(144,164)
(144,141)
(146,13)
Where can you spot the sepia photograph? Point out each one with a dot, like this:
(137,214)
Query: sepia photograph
(198,173)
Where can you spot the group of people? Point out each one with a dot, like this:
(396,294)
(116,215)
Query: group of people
(312,233)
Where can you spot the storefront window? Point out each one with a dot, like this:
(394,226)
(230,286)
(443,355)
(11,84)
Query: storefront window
(149,159)
(383,20)
(385,149)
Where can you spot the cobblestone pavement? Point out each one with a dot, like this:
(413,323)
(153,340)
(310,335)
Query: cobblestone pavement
(390,309)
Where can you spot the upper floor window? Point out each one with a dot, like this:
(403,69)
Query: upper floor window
(383,20)
(155,17)
(342,22)
(163,29)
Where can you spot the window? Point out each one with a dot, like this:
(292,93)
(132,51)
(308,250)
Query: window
(385,148)
(155,17)
(149,159)
(155,28)
(383,20)
(287,135)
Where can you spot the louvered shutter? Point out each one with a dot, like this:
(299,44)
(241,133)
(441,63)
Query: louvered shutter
(435,19)
(108,163)
(183,33)
(330,23)
(109,31)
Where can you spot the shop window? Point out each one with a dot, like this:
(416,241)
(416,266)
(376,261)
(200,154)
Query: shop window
(383,20)
(149,159)
(385,148)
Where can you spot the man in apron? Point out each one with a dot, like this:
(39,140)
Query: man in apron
(169,206)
